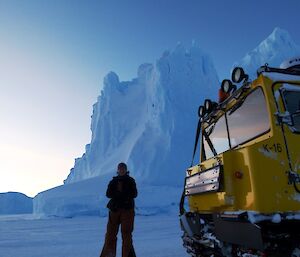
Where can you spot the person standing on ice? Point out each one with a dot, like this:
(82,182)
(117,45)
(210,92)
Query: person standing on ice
(122,191)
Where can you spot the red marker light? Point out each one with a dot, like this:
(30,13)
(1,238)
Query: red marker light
(222,95)
(238,174)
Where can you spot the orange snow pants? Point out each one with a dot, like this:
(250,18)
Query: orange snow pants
(125,218)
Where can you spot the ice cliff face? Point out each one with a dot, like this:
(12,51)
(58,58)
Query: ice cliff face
(275,49)
(149,122)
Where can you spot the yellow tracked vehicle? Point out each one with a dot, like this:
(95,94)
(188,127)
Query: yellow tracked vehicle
(244,195)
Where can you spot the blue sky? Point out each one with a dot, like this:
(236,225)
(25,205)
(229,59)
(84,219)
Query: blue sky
(54,54)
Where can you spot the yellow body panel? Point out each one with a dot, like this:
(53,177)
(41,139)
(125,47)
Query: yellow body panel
(263,163)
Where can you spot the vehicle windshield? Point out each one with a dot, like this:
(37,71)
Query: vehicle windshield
(246,120)
(250,120)
(217,134)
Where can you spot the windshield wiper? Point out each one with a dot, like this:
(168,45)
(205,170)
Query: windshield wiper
(209,142)
(236,106)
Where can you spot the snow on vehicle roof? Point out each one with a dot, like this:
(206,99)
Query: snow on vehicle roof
(290,63)
(276,76)
(290,87)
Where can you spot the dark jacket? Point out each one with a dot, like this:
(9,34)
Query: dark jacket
(122,191)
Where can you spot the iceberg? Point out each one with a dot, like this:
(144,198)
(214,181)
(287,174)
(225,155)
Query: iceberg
(276,48)
(15,203)
(149,123)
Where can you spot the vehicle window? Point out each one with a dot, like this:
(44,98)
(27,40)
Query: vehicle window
(292,105)
(249,120)
(292,101)
(296,120)
(217,134)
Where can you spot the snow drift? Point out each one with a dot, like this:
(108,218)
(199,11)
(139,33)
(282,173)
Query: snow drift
(87,197)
